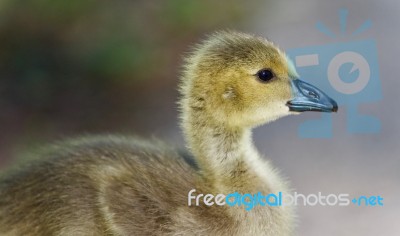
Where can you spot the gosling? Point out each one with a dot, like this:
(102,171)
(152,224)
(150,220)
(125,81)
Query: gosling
(113,185)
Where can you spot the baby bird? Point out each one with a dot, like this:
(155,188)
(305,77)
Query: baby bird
(113,185)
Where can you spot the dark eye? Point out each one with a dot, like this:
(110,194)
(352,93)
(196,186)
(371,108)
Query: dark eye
(265,75)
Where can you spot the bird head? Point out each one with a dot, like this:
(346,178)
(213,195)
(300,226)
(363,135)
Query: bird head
(244,80)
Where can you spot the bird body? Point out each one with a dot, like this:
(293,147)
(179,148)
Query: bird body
(111,185)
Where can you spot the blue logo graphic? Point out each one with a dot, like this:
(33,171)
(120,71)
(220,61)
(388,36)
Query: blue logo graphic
(346,71)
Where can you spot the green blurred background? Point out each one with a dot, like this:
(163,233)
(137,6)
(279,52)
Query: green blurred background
(88,66)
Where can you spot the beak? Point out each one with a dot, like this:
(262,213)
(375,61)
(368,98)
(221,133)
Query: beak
(307,97)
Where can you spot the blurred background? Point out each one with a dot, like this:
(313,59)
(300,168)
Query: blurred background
(95,66)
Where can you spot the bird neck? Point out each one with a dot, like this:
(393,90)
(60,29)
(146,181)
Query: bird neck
(226,156)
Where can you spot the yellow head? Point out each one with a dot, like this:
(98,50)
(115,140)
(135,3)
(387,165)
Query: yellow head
(240,80)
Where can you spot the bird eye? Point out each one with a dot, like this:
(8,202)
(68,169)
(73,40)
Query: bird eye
(265,75)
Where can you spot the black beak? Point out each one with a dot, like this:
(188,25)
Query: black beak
(307,97)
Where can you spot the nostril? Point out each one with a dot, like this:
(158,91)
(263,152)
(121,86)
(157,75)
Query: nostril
(313,94)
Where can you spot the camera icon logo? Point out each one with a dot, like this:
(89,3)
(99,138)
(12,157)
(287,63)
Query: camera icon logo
(348,72)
